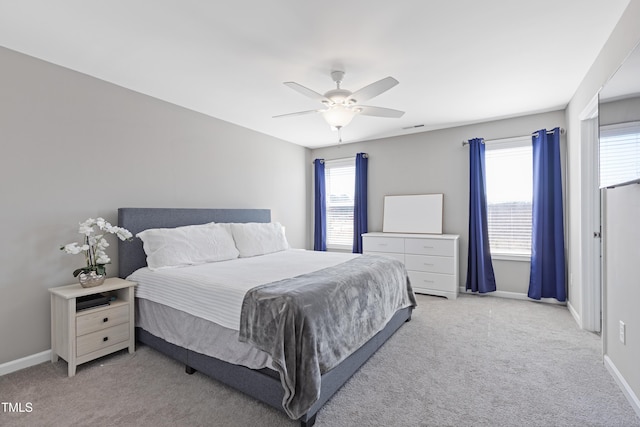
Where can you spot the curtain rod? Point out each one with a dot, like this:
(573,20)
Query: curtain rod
(365,155)
(562,132)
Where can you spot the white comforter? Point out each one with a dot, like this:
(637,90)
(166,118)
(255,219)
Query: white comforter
(215,291)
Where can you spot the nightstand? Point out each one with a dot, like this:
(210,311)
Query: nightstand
(81,336)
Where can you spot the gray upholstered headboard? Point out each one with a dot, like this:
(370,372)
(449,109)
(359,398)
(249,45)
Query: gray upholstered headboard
(131,255)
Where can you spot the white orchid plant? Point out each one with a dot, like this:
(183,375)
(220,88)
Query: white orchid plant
(94,244)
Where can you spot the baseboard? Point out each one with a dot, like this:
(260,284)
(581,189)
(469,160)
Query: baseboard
(622,383)
(25,362)
(511,295)
(575,314)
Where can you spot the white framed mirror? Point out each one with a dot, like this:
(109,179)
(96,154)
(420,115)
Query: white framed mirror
(419,213)
(619,116)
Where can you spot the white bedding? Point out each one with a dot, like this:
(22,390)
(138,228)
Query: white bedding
(215,291)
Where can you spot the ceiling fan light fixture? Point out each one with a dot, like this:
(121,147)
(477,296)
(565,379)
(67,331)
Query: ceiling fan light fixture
(338,116)
(341,105)
(338,96)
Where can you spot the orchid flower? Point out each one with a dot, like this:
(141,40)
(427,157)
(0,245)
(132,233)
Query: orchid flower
(93,245)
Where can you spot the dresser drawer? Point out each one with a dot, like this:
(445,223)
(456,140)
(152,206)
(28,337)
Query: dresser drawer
(383,244)
(95,320)
(98,340)
(431,264)
(398,256)
(422,282)
(439,247)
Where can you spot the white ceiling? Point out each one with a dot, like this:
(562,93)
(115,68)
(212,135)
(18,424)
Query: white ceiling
(625,82)
(458,62)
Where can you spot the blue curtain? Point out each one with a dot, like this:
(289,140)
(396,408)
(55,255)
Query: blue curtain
(480,277)
(360,202)
(547,279)
(320,210)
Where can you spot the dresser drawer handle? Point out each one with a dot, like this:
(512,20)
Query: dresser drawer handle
(382,244)
(105,339)
(427,264)
(105,320)
(428,247)
(427,281)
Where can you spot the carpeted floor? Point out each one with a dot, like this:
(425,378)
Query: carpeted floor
(475,361)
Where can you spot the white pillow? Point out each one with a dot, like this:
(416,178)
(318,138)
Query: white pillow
(188,245)
(254,238)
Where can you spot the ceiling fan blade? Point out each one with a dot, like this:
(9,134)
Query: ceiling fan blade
(379,111)
(308,92)
(374,89)
(299,113)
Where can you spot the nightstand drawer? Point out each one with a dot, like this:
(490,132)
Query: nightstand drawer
(422,282)
(429,247)
(95,320)
(383,244)
(431,264)
(98,340)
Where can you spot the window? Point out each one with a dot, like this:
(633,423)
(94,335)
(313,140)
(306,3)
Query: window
(509,179)
(340,179)
(619,153)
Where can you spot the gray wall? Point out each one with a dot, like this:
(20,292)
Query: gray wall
(75,147)
(622,254)
(620,111)
(436,162)
(621,295)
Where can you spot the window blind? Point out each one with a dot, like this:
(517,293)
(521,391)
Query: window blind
(340,188)
(619,153)
(509,181)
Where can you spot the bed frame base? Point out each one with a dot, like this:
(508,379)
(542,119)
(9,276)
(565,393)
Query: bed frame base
(264,384)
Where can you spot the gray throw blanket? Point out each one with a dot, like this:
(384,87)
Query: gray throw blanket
(310,323)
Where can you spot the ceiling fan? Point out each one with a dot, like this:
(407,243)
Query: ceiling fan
(341,105)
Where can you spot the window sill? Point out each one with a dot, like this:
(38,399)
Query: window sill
(511,257)
(339,248)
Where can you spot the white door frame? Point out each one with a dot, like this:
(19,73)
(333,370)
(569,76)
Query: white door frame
(591,262)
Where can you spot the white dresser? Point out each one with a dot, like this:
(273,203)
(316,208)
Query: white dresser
(431,259)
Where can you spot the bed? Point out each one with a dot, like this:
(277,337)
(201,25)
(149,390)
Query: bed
(239,363)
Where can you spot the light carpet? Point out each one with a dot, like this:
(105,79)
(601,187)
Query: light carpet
(474,361)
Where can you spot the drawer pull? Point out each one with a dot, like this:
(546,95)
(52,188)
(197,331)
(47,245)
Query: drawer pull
(427,281)
(428,247)
(105,339)
(105,320)
(382,244)
(427,264)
